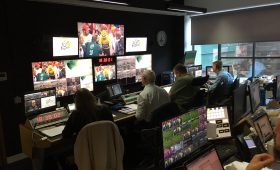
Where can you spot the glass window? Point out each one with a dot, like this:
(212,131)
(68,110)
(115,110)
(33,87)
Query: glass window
(237,50)
(268,49)
(206,54)
(267,66)
(241,67)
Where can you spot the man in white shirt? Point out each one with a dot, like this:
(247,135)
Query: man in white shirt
(151,97)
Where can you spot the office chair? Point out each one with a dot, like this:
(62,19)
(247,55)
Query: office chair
(99,145)
(151,135)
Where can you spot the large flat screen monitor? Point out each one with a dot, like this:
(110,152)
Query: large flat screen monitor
(65,46)
(97,39)
(130,68)
(67,76)
(239,103)
(206,161)
(136,44)
(40,101)
(254,92)
(183,134)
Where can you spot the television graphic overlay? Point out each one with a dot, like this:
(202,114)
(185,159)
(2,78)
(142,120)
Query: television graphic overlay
(67,76)
(104,69)
(97,39)
(136,44)
(65,46)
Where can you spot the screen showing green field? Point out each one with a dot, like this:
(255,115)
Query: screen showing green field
(183,134)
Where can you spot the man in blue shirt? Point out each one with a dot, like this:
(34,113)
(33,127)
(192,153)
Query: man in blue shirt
(221,86)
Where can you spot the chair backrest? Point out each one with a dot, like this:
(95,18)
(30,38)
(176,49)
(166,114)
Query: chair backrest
(164,112)
(235,84)
(99,145)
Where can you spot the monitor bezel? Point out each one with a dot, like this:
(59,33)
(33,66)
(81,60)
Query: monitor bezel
(237,117)
(41,110)
(182,160)
(110,86)
(277,96)
(251,96)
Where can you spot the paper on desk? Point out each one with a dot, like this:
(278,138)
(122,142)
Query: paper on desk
(236,165)
(132,106)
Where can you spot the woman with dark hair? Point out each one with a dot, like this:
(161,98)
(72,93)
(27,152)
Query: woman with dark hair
(87,111)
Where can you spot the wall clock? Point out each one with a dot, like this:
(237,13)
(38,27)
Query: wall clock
(161,38)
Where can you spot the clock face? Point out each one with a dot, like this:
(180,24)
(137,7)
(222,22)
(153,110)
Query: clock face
(161,38)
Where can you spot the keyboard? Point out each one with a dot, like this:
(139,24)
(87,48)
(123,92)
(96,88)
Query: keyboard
(52,131)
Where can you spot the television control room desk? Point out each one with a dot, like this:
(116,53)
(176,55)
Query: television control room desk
(36,145)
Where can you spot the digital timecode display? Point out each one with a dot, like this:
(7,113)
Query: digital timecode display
(48,117)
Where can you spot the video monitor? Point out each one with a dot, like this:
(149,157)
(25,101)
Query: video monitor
(65,46)
(67,76)
(254,92)
(189,57)
(130,68)
(278,87)
(39,101)
(240,103)
(263,127)
(206,161)
(136,44)
(183,134)
(114,90)
(104,69)
(195,70)
(97,39)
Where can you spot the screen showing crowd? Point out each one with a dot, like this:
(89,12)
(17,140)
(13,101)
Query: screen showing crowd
(132,67)
(183,134)
(66,75)
(100,39)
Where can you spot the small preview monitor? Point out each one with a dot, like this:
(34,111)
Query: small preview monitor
(239,103)
(278,87)
(254,93)
(136,44)
(189,57)
(218,123)
(208,160)
(97,39)
(39,101)
(195,70)
(263,127)
(67,76)
(65,46)
(114,90)
(181,135)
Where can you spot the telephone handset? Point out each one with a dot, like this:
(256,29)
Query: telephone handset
(252,144)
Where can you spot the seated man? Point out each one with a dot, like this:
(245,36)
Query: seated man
(150,98)
(223,81)
(182,92)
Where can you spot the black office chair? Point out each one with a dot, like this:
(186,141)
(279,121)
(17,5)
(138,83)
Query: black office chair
(151,135)
(200,97)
